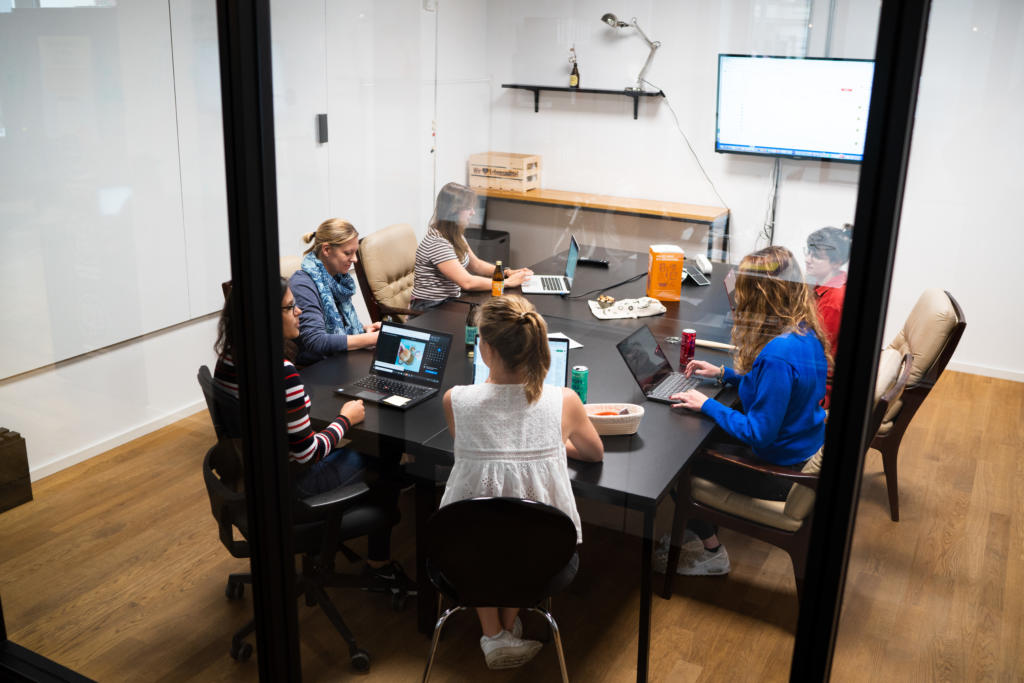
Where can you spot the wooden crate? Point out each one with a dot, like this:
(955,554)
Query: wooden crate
(15,485)
(505,171)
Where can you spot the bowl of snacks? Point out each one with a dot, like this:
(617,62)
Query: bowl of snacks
(615,418)
(604,301)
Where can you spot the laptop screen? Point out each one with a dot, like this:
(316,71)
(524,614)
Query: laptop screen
(411,354)
(644,358)
(557,375)
(573,259)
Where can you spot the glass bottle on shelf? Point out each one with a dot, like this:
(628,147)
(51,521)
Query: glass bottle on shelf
(574,75)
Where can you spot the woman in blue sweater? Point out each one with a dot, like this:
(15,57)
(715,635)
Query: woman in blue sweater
(781,364)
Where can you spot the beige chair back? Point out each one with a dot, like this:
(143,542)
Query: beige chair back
(290,264)
(924,335)
(387,259)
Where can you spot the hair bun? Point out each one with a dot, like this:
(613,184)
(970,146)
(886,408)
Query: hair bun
(308,237)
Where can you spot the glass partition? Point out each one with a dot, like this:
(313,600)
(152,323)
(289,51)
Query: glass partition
(572,121)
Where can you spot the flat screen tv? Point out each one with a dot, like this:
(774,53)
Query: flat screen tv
(792,107)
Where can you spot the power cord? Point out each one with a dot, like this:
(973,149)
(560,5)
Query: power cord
(696,158)
(605,289)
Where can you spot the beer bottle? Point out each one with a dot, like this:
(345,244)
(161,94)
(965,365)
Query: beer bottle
(471,330)
(574,75)
(498,280)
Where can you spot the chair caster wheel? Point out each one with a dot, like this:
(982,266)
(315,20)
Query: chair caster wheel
(234,590)
(241,651)
(398,601)
(360,661)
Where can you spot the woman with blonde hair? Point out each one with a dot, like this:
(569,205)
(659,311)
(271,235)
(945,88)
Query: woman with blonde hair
(323,289)
(445,264)
(781,361)
(512,436)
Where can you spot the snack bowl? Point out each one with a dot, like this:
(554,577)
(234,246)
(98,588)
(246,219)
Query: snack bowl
(614,421)
(604,301)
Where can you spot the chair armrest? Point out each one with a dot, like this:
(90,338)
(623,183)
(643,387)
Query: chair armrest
(396,310)
(806,479)
(341,495)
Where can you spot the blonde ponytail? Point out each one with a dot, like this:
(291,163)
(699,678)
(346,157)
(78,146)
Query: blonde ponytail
(334,231)
(519,335)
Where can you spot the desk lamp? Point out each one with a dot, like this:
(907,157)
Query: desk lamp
(614,22)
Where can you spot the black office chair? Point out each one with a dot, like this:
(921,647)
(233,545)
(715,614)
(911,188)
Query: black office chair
(326,520)
(505,552)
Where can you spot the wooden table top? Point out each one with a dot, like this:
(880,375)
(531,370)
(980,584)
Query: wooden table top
(600,202)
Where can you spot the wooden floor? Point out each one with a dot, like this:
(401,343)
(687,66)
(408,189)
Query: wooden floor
(115,570)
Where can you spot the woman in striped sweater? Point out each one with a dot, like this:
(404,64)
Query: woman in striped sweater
(317,464)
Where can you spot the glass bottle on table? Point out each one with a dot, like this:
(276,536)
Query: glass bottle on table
(574,75)
(498,280)
(471,330)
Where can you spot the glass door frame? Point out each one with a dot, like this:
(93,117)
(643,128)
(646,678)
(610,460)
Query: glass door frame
(246,83)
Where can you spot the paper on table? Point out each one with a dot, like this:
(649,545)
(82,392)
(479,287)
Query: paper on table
(573,344)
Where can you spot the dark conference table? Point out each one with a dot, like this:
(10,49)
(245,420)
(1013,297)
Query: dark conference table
(638,471)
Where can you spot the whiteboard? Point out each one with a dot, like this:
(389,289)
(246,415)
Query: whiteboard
(93,246)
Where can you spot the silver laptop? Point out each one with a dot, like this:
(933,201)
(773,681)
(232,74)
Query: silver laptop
(558,373)
(556,284)
(408,364)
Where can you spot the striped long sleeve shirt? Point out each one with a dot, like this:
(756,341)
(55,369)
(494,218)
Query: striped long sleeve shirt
(305,445)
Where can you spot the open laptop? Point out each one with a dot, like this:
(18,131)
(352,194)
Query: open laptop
(652,371)
(558,373)
(556,284)
(408,364)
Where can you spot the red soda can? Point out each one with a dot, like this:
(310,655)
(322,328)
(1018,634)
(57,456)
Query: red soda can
(687,346)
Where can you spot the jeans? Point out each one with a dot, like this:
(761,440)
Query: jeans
(426,304)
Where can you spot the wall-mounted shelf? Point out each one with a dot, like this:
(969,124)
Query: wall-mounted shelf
(536,89)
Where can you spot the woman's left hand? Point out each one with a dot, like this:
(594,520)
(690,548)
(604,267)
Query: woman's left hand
(691,399)
(372,327)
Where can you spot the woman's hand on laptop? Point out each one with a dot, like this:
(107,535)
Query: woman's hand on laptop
(701,368)
(517,277)
(353,411)
(692,400)
(372,327)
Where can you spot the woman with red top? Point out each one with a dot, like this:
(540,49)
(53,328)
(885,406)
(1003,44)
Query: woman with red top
(317,464)
(828,249)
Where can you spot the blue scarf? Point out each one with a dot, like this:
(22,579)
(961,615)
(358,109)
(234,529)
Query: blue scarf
(334,291)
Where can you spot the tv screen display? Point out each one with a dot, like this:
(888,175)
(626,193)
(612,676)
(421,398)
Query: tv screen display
(799,108)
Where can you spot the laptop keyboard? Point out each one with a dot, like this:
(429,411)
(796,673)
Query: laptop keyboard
(392,386)
(552,283)
(675,383)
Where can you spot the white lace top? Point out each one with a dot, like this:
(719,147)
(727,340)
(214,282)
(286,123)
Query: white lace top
(505,447)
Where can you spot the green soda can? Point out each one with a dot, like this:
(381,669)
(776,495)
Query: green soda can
(579,380)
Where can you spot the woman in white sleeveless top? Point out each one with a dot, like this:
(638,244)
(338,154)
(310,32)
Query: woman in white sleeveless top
(512,437)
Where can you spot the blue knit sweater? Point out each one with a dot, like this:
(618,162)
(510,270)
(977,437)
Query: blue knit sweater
(782,419)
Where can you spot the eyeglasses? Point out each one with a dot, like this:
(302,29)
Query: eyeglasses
(817,251)
(290,308)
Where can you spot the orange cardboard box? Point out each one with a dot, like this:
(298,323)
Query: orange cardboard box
(665,271)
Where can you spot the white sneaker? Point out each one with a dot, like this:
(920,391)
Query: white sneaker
(505,651)
(517,628)
(704,563)
(691,541)
(691,544)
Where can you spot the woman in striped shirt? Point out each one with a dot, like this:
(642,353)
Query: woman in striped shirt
(445,265)
(317,464)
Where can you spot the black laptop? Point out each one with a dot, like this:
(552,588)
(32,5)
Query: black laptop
(652,371)
(408,365)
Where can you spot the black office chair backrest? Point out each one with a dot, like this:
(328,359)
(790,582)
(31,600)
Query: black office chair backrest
(223,406)
(499,551)
(222,474)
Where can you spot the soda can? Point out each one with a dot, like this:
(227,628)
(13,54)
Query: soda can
(687,347)
(579,381)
